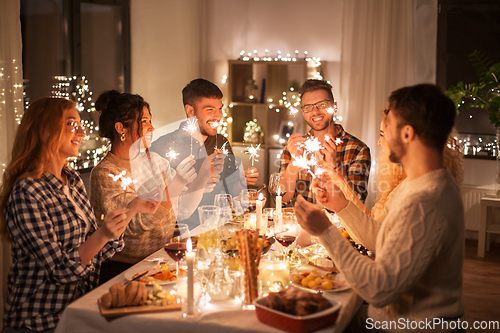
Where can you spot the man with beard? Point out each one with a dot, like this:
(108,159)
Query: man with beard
(203,101)
(351,156)
(415,281)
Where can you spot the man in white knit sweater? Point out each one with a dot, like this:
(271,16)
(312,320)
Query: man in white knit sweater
(415,281)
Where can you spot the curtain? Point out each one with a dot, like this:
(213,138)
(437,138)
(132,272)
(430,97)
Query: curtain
(386,44)
(11,105)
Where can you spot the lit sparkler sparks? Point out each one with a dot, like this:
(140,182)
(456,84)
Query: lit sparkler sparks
(172,154)
(125,180)
(224,150)
(293,111)
(254,153)
(312,144)
(191,127)
(338,141)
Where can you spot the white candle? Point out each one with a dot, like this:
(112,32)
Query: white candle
(278,202)
(190,275)
(258,212)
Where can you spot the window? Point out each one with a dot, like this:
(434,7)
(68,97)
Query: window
(463,27)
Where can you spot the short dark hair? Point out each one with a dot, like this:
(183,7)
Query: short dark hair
(199,88)
(313,85)
(125,108)
(428,110)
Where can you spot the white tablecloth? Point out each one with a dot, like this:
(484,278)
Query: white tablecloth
(83,315)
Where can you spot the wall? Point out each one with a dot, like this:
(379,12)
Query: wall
(174,42)
(165,53)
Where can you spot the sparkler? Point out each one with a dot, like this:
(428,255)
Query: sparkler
(312,144)
(254,153)
(293,111)
(215,124)
(125,180)
(224,150)
(338,141)
(172,154)
(190,127)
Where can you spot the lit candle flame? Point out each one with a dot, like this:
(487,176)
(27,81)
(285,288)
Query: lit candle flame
(261,196)
(189,245)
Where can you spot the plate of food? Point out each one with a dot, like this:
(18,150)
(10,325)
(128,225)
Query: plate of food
(317,282)
(156,274)
(230,245)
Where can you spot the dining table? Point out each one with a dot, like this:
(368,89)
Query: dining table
(84,316)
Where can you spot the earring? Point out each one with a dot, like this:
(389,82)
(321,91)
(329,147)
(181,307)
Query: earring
(122,137)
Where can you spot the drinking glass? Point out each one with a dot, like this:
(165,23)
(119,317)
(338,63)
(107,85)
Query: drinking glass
(226,209)
(209,220)
(176,247)
(248,199)
(286,231)
(274,185)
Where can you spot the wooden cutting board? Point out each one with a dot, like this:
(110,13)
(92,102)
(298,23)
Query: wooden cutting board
(128,310)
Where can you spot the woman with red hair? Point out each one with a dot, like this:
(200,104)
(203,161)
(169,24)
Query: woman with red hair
(56,246)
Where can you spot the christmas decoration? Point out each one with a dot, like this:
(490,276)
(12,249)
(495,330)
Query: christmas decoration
(93,147)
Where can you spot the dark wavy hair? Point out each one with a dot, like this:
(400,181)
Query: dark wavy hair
(427,109)
(115,107)
(199,88)
(313,85)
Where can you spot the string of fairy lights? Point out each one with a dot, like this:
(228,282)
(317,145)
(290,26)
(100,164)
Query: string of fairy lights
(93,147)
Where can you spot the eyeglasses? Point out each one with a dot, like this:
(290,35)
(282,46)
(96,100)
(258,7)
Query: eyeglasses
(323,105)
(75,126)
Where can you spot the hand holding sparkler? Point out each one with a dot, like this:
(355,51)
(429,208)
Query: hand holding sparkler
(114,223)
(295,144)
(185,170)
(251,176)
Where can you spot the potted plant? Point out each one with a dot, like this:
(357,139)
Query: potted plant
(484,94)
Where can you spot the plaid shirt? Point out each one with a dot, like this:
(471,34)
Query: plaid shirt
(46,273)
(353,157)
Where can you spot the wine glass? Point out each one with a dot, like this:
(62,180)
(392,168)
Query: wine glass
(226,208)
(275,187)
(209,220)
(286,231)
(176,247)
(248,199)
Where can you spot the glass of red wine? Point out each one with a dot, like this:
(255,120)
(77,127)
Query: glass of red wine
(286,231)
(176,247)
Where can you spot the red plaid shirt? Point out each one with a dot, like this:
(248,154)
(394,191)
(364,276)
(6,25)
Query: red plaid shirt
(353,157)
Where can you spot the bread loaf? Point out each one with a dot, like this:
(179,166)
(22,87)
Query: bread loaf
(131,290)
(135,293)
(106,300)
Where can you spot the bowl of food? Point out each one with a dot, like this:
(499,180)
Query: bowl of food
(296,311)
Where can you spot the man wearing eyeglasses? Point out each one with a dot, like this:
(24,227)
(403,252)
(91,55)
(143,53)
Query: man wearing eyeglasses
(351,155)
